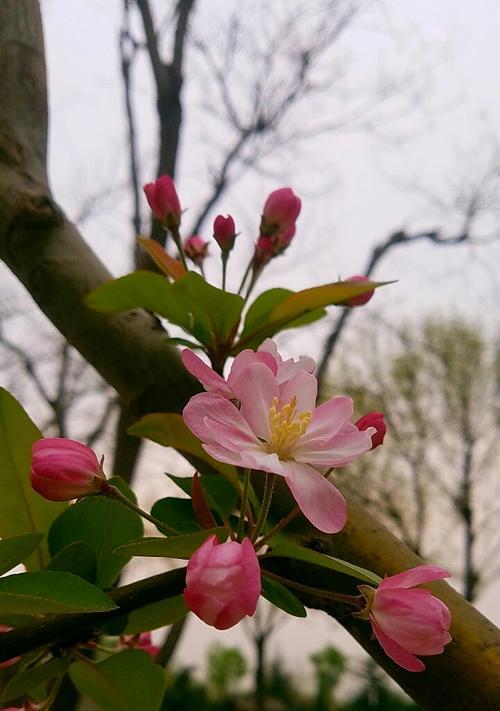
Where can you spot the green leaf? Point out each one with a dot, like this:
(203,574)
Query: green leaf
(158,614)
(30,679)
(77,558)
(279,595)
(258,325)
(204,311)
(22,510)
(104,525)
(128,681)
(14,550)
(170,430)
(307,300)
(292,550)
(177,513)
(174,546)
(50,592)
(221,494)
(212,310)
(183,342)
(141,289)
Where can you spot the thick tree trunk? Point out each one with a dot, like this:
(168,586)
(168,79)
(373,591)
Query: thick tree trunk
(52,261)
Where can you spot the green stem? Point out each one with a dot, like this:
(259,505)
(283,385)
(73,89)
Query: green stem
(113,493)
(245,275)
(244,502)
(281,524)
(256,274)
(354,600)
(224,257)
(174,231)
(266,502)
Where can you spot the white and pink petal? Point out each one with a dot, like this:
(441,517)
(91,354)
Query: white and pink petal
(318,499)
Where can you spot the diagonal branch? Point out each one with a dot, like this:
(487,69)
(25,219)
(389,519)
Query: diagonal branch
(51,259)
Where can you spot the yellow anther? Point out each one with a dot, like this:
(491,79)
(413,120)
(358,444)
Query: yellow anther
(286,426)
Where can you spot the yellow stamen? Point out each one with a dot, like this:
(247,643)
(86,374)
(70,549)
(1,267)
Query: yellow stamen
(286,426)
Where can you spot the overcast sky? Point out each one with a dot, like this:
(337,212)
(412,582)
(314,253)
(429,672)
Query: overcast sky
(357,186)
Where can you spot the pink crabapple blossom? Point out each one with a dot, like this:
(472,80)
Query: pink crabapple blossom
(409,621)
(280,212)
(196,249)
(64,469)
(224,232)
(163,200)
(223,582)
(141,641)
(373,419)
(362,298)
(264,418)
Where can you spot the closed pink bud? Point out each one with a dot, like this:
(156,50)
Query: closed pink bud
(373,419)
(281,209)
(362,298)
(408,621)
(224,232)
(63,469)
(223,582)
(264,251)
(164,201)
(141,641)
(196,249)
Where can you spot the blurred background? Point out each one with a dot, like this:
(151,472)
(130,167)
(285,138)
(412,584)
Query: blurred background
(383,117)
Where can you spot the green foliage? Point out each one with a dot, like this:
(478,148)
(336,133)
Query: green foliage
(128,681)
(177,513)
(281,597)
(181,547)
(170,430)
(28,681)
(226,666)
(78,558)
(104,525)
(292,550)
(221,494)
(156,615)
(22,510)
(259,324)
(15,550)
(207,313)
(50,592)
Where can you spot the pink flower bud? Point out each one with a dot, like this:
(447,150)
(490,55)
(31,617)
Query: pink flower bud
(281,209)
(408,621)
(224,232)
(362,298)
(164,201)
(373,419)
(223,582)
(8,662)
(142,641)
(63,469)
(196,249)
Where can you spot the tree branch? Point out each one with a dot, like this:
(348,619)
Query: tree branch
(51,259)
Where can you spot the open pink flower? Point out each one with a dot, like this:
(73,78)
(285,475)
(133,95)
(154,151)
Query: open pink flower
(267,354)
(271,424)
(223,582)
(408,621)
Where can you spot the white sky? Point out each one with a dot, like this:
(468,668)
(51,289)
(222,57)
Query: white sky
(355,187)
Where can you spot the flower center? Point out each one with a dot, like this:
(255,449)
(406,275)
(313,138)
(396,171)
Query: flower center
(286,426)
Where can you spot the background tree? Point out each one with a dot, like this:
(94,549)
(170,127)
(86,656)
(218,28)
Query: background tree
(438,385)
(135,359)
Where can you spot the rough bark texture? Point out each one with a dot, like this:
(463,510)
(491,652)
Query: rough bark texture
(58,269)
